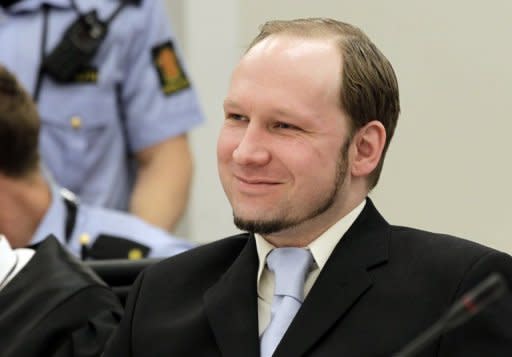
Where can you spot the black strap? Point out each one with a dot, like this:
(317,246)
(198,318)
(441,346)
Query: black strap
(44,37)
(110,18)
(75,7)
(6,3)
(71,204)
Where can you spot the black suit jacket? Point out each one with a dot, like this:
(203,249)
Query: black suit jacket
(381,287)
(56,307)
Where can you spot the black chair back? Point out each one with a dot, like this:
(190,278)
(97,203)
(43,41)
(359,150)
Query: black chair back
(119,274)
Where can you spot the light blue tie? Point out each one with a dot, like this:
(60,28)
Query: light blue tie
(290,266)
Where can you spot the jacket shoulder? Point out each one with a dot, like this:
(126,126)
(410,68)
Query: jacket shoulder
(447,258)
(53,260)
(220,253)
(426,241)
(198,267)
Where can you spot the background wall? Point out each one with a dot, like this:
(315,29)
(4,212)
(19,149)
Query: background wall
(448,168)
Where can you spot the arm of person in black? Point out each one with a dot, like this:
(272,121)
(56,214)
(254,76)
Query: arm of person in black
(121,342)
(79,326)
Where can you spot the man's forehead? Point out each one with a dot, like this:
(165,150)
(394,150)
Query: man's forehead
(281,60)
(291,57)
(291,46)
(294,82)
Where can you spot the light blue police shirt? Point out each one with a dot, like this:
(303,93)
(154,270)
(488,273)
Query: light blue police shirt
(85,141)
(94,221)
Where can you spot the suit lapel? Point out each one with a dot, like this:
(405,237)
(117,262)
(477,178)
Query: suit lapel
(231,306)
(341,284)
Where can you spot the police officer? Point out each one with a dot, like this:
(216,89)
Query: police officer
(114,99)
(32,207)
(101,233)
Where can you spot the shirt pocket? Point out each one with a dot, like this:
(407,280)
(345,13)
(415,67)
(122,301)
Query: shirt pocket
(76,129)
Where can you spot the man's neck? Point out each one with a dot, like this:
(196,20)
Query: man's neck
(23,204)
(303,234)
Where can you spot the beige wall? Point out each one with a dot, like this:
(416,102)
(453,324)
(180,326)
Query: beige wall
(448,168)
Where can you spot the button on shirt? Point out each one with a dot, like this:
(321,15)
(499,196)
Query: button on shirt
(91,129)
(11,261)
(321,248)
(93,221)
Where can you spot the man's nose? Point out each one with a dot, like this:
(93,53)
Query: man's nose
(252,149)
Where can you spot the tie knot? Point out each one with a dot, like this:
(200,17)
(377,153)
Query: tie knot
(290,266)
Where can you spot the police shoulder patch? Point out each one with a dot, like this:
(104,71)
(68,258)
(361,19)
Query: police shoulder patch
(171,74)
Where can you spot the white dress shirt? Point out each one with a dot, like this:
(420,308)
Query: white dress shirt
(11,261)
(321,249)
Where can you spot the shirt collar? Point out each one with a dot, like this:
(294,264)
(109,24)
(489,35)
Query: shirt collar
(53,220)
(7,257)
(321,248)
(12,260)
(263,247)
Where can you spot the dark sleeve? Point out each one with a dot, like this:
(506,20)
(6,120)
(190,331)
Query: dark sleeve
(490,332)
(121,342)
(92,315)
(79,326)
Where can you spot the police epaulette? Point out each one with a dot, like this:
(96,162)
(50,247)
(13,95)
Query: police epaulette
(113,247)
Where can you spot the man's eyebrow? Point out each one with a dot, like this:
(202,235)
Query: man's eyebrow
(231,103)
(277,112)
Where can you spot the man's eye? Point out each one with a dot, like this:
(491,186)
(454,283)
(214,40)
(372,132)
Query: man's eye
(285,126)
(235,116)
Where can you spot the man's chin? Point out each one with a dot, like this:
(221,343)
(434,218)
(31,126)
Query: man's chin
(260,226)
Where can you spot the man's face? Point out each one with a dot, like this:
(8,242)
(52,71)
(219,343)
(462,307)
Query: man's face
(283,149)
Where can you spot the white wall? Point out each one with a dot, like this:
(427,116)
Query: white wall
(209,39)
(448,168)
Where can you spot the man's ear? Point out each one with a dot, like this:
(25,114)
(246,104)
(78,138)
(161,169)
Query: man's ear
(367,145)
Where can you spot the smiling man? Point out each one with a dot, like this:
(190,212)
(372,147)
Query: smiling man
(309,115)
(283,151)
